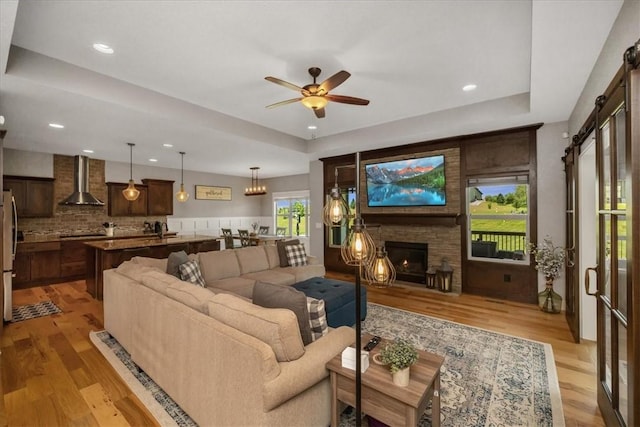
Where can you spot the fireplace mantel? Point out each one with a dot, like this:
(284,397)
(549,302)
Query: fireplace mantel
(442,219)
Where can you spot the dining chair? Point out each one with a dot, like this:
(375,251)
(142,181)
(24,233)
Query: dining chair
(228,238)
(281,231)
(245,240)
(264,229)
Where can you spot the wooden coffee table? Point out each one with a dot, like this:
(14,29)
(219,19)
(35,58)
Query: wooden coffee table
(383,400)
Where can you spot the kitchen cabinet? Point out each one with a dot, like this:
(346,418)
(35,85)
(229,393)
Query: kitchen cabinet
(73,259)
(119,206)
(36,263)
(160,196)
(34,196)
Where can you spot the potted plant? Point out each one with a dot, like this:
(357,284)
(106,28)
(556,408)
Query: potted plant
(399,356)
(549,261)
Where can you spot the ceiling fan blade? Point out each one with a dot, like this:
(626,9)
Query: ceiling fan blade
(347,99)
(288,101)
(283,83)
(333,81)
(319,112)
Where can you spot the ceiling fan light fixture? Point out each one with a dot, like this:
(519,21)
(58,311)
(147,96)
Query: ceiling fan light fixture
(314,102)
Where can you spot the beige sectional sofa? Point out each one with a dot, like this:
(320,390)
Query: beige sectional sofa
(224,360)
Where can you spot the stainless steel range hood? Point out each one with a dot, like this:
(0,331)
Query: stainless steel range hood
(81,195)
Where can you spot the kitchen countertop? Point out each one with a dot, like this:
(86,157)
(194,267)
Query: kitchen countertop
(90,237)
(119,244)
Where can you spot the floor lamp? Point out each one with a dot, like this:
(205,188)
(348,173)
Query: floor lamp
(357,250)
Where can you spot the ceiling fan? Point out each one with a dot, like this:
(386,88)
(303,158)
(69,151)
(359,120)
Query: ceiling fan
(316,96)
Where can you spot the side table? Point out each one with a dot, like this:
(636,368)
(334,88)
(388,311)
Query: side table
(381,398)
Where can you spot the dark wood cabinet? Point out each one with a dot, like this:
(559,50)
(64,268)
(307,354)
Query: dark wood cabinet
(36,263)
(160,196)
(34,196)
(73,259)
(119,206)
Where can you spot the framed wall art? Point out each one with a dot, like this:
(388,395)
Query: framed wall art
(208,192)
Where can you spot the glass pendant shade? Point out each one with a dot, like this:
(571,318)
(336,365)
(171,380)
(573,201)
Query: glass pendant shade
(182,196)
(358,248)
(336,211)
(314,102)
(381,272)
(131,193)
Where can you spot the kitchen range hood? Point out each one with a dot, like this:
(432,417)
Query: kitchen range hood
(81,195)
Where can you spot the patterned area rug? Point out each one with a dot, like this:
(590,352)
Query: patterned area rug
(488,379)
(31,311)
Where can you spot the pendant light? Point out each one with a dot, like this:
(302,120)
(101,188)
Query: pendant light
(255,189)
(336,211)
(131,193)
(182,195)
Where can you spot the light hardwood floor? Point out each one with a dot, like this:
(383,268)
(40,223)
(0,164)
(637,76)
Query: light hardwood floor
(52,375)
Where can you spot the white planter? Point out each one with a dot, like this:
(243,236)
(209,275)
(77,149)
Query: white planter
(401,378)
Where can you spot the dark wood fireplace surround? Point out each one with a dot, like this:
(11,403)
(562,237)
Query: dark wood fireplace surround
(497,153)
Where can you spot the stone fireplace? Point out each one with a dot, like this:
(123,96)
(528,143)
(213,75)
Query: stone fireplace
(410,260)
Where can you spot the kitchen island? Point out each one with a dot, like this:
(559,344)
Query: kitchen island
(106,254)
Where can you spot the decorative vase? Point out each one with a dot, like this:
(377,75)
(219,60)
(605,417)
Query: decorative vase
(401,377)
(549,301)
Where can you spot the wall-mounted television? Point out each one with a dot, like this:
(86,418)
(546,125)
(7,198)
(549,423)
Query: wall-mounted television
(412,182)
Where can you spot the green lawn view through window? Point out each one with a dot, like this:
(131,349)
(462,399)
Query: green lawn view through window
(337,234)
(498,214)
(292,213)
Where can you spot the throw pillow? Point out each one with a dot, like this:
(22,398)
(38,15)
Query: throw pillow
(190,272)
(296,255)
(317,318)
(282,252)
(174,261)
(279,296)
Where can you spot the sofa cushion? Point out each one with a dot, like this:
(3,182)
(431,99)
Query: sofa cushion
(216,265)
(174,261)
(304,272)
(159,263)
(317,318)
(237,285)
(272,255)
(276,327)
(134,271)
(252,259)
(278,296)
(276,277)
(195,297)
(190,272)
(282,252)
(296,255)
(159,281)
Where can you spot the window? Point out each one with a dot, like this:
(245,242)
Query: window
(498,219)
(337,233)
(291,211)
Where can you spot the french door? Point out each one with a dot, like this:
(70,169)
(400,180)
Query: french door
(618,284)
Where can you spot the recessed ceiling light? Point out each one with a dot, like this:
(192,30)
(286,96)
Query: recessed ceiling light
(312,127)
(56,125)
(167,145)
(103,48)
(153,160)
(87,151)
(469,87)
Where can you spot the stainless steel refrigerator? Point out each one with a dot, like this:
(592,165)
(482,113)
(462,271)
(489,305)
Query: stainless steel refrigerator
(9,240)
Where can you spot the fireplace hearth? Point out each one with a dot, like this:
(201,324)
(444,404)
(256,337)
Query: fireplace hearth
(409,259)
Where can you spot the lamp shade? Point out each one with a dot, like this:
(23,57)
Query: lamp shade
(381,273)
(336,210)
(358,248)
(182,196)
